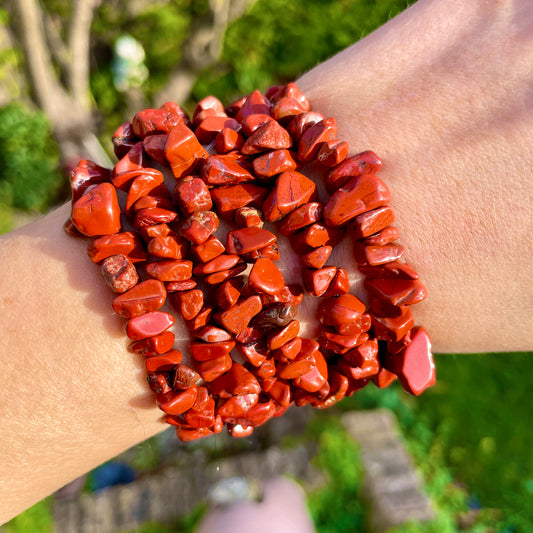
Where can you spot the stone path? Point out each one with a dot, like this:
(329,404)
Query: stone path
(392,486)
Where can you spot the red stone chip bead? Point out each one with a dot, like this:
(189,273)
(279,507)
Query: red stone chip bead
(364,163)
(162,363)
(149,325)
(119,273)
(177,402)
(85,175)
(97,211)
(157,345)
(183,150)
(144,297)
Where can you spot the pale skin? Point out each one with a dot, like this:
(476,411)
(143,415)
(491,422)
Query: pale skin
(443,94)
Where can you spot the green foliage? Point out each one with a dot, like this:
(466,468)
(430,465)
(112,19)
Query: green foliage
(36,519)
(279,40)
(29,178)
(336,508)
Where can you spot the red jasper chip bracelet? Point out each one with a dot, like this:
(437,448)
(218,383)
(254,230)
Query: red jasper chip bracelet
(154,223)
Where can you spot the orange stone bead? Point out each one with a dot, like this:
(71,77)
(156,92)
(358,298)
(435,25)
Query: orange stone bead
(169,247)
(154,146)
(393,328)
(385,236)
(221,262)
(192,195)
(212,334)
(332,153)
(279,390)
(152,216)
(225,169)
(245,240)
(237,406)
(154,120)
(318,281)
(199,226)
(208,129)
(183,151)
(301,217)
(108,245)
(237,318)
(189,303)
(85,175)
(176,403)
(265,277)
(213,368)
(372,221)
(228,140)
(204,351)
(313,138)
(339,285)
(149,325)
(269,136)
(223,275)
(184,377)
(255,352)
(364,360)
(274,162)
(228,293)
(119,273)
(342,310)
(163,363)
(364,163)
(255,103)
(377,255)
(383,378)
(300,123)
(157,345)
(392,269)
(253,122)
(97,211)
(291,190)
(147,296)
(397,291)
(228,199)
(142,185)
(280,336)
(237,381)
(316,258)
(170,270)
(359,195)
(209,249)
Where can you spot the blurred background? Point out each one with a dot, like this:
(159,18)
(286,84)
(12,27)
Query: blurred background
(71,71)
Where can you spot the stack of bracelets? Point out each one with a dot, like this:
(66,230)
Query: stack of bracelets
(155,235)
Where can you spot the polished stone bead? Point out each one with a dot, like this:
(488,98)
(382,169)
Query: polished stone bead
(345,309)
(146,296)
(132,161)
(377,255)
(151,121)
(244,240)
(385,236)
(290,349)
(157,230)
(199,226)
(390,270)
(163,363)
(200,320)
(330,340)
(190,435)
(237,381)
(228,199)
(290,294)
(119,273)
(284,109)
(212,334)
(142,185)
(209,103)
(383,378)
(299,366)
(236,318)
(248,217)
(177,286)
(189,303)
(274,162)
(359,195)
(159,382)
(277,337)
(170,270)
(184,377)
(237,406)
(228,140)
(177,402)
(269,136)
(157,345)
(397,291)
(148,325)
(221,262)
(393,329)
(183,151)
(219,277)
(85,175)
(372,221)
(333,152)
(228,293)
(277,315)
(265,277)
(213,368)
(208,129)
(97,211)
(338,386)
(317,281)
(253,122)
(153,215)
(123,139)
(359,325)
(257,415)
(414,365)
(192,194)
(291,190)
(339,285)
(108,245)
(225,169)
(153,201)
(279,390)
(203,351)
(301,217)
(316,258)
(173,107)
(255,103)
(300,123)
(209,249)
(154,146)
(364,360)
(169,247)
(313,138)
(255,352)
(317,377)
(364,163)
